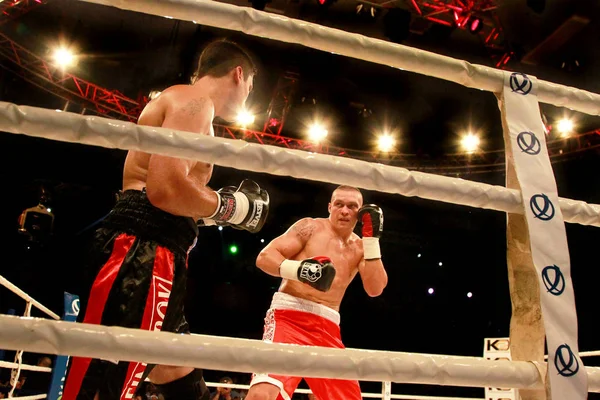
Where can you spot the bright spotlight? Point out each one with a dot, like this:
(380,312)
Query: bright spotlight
(470,142)
(565,127)
(317,132)
(430,291)
(63,57)
(244,118)
(386,142)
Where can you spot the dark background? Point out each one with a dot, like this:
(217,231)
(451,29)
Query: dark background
(227,294)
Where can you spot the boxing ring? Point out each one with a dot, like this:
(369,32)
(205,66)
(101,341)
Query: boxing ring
(252,356)
(17,366)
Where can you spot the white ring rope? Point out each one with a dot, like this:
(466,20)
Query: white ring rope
(277,27)
(363,395)
(25,367)
(30,300)
(234,153)
(246,355)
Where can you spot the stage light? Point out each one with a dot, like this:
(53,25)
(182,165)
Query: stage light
(63,57)
(233,249)
(470,142)
(244,118)
(469,295)
(317,132)
(430,290)
(386,142)
(565,127)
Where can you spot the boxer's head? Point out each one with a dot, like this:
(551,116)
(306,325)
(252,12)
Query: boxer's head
(234,66)
(343,207)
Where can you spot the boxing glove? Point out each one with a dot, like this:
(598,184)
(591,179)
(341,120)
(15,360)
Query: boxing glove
(317,272)
(245,207)
(370,217)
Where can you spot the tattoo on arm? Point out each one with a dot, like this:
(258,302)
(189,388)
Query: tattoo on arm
(195,106)
(304,229)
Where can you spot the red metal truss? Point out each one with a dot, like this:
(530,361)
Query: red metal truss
(462,14)
(112,104)
(559,149)
(280,103)
(47,76)
(11,9)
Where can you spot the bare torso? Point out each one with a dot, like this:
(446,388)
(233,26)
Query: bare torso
(135,171)
(345,255)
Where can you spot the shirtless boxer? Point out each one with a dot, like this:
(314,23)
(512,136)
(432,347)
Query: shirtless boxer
(138,259)
(317,259)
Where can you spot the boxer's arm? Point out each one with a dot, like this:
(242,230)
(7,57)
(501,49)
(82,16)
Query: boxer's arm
(373,276)
(170,184)
(286,246)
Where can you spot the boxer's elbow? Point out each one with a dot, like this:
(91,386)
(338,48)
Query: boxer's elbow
(262,260)
(375,287)
(159,195)
(374,291)
(268,262)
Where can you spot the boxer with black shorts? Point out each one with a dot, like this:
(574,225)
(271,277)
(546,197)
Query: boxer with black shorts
(139,256)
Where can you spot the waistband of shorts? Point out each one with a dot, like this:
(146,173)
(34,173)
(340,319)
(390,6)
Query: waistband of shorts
(134,214)
(284,301)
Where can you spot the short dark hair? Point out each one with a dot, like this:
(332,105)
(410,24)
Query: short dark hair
(221,56)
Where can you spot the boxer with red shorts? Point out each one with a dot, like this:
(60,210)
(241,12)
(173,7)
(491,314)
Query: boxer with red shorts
(317,259)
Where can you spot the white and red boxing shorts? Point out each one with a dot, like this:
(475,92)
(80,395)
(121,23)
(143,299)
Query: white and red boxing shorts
(297,321)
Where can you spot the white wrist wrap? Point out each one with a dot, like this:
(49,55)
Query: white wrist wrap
(218,207)
(242,205)
(371,248)
(289,269)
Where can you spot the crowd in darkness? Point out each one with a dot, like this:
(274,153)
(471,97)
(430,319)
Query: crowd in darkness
(32,383)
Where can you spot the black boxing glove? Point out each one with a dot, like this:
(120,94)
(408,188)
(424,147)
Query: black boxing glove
(370,217)
(245,207)
(317,272)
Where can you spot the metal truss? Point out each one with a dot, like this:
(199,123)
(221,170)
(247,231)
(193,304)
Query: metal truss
(457,164)
(280,103)
(41,73)
(112,104)
(11,9)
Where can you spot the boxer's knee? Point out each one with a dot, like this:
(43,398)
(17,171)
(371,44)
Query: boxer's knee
(262,391)
(179,383)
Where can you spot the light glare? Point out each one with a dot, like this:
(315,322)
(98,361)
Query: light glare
(63,57)
(244,118)
(565,127)
(470,142)
(386,142)
(317,132)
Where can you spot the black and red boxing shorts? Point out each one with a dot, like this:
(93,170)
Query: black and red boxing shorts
(138,264)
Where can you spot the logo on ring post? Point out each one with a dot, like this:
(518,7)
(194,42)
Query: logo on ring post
(542,207)
(554,280)
(529,143)
(565,361)
(520,83)
(75,307)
